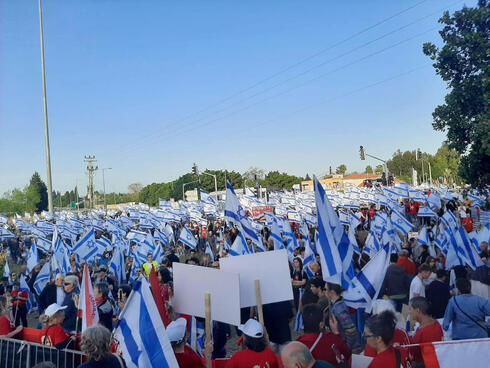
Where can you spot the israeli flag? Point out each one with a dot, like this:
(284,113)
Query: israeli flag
(137,236)
(87,247)
(209,252)
(309,254)
(426,212)
(354,220)
(32,258)
(42,279)
(140,331)
(423,238)
(472,256)
(239,246)
(454,256)
(44,244)
(25,287)
(367,283)
(187,238)
(117,265)
(449,220)
(441,242)
(235,213)
(276,234)
(434,201)
(291,241)
(326,245)
(5,234)
(206,198)
(417,196)
(169,232)
(3,219)
(400,223)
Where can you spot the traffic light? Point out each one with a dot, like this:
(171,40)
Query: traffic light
(361,151)
(418,154)
(195,170)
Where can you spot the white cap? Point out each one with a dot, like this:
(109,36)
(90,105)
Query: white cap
(252,328)
(53,308)
(176,330)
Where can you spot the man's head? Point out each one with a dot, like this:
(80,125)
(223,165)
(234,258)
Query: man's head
(419,308)
(463,286)
(149,257)
(424,271)
(101,291)
(393,258)
(70,283)
(484,246)
(313,318)
(441,275)
(297,355)
(404,253)
(102,272)
(317,285)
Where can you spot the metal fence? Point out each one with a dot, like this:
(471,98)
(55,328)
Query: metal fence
(23,354)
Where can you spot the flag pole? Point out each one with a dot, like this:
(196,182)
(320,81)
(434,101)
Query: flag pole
(260,311)
(207,307)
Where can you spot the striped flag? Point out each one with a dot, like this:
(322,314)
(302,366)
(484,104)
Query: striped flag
(87,308)
(140,331)
(460,353)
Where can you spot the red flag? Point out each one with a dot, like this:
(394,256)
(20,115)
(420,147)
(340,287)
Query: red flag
(157,295)
(87,308)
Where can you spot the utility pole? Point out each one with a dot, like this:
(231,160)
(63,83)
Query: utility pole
(45,105)
(90,160)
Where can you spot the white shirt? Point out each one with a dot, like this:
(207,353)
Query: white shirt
(60,295)
(417,287)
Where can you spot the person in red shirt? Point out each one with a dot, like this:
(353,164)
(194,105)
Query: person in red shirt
(467,222)
(429,331)
(379,331)
(19,300)
(186,357)
(256,354)
(406,263)
(54,334)
(7,328)
(326,346)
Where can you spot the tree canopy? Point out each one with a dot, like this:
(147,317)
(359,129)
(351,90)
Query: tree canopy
(463,62)
(341,169)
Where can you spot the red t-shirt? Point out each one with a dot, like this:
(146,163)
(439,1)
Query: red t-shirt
(22,294)
(5,326)
(429,333)
(323,350)
(407,265)
(387,359)
(414,208)
(468,224)
(250,359)
(399,338)
(189,359)
(53,335)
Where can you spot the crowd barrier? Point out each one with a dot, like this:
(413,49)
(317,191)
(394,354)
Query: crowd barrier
(24,354)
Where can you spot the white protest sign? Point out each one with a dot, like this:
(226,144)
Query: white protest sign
(270,268)
(192,282)
(360,361)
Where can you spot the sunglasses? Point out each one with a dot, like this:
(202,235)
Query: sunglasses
(368,336)
(67,284)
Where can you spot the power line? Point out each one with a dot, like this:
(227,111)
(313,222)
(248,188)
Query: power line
(292,66)
(186,129)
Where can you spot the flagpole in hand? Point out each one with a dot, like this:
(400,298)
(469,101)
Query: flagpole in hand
(260,311)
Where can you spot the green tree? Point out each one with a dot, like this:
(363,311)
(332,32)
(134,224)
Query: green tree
(341,169)
(277,180)
(36,185)
(463,63)
(369,169)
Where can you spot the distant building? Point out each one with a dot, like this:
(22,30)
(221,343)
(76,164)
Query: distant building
(338,181)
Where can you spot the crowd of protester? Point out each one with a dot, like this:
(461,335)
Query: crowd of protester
(417,293)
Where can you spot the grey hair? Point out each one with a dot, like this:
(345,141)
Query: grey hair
(3,305)
(96,342)
(72,279)
(299,355)
(59,275)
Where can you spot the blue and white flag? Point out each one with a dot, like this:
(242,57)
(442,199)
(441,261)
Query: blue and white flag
(367,283)
(187,238)
(117,265)
(44,244)
(136,235)
(140,331)
(417,196)
(326,245)
(290,237)
(449,220)
(25,287)
(434,201)
(3,219)
(5,234)
(423,238)
(86,248)
(235,213)
(169,232)
(209,252)
(32,258)
(471,254)
(400,223)
(425,211)
(42,278)
(239,246)
(276,234)
(206,198)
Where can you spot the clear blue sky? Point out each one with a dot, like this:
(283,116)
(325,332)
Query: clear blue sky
(138,83)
